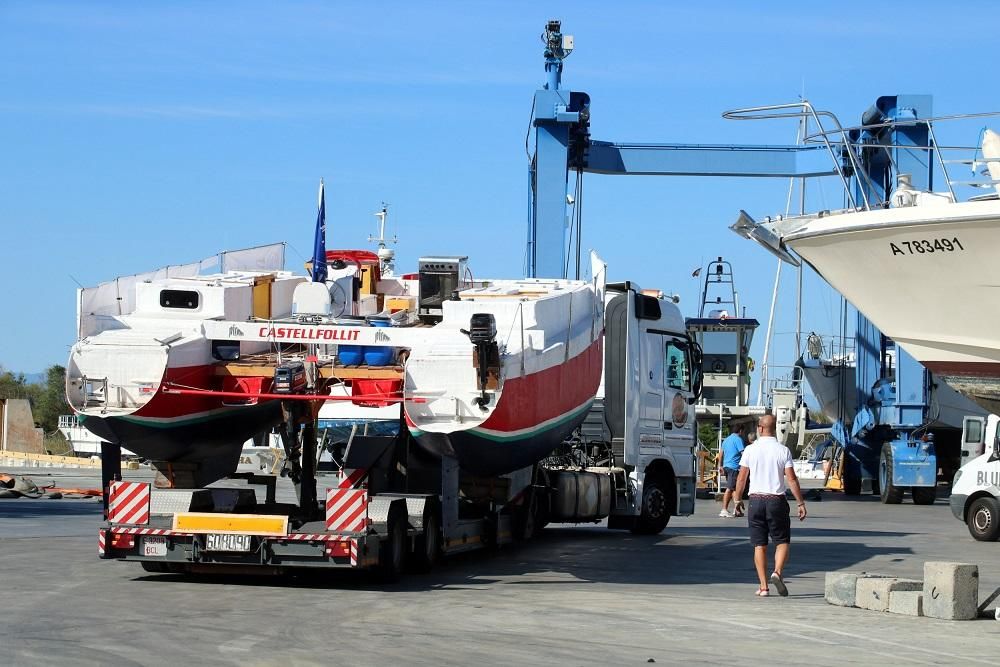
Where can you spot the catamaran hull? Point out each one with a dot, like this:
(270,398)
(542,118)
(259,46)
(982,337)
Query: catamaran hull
(533,415)
(200,435)
(929,284)
(190,439)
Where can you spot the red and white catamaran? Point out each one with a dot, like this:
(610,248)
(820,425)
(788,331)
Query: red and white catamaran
(502,373)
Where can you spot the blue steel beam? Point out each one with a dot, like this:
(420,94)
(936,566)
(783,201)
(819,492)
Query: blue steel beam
(705,160)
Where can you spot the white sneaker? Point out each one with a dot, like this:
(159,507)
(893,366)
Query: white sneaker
(725,514)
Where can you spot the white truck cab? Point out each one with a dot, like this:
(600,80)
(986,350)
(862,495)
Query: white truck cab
(652,378)
(975,491)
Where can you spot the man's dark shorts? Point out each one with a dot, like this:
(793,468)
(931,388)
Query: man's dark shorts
(769,517)
(731,476)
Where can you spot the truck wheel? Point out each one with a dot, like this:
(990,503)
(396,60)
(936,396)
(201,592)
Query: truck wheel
(393,548)
(655,508)
(889,493)
(427,546)
(983,519)
(924,495)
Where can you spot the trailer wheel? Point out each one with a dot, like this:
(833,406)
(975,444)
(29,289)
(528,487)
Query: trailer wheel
(391,555)
(924,495)
(889,493)
(427,547)
(655,508)
(983,519)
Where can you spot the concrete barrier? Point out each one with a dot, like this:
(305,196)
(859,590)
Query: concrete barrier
(841,587)
(873,592)
(26,460)
(951,590)
(908,603)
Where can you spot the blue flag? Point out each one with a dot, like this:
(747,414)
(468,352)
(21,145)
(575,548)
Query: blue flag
(319,245)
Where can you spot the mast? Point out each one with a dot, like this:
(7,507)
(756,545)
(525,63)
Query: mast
(386,255)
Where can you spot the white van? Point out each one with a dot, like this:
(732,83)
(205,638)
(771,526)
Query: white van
(975,491)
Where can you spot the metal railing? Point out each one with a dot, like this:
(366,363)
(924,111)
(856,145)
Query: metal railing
(844,153)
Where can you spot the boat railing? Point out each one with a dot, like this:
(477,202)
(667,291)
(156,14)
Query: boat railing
(844,151)
(784,377)
(835,348)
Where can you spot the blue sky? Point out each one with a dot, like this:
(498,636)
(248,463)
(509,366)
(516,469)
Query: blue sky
(136,135)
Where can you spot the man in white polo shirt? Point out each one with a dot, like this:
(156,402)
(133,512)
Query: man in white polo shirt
(768,464)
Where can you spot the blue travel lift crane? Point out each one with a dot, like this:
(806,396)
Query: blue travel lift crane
(561,121)
(887,445)
(563,144)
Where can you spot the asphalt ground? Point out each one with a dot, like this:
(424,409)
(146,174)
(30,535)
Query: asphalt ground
(576,595)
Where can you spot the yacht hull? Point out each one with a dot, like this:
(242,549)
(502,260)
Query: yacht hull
(925,276)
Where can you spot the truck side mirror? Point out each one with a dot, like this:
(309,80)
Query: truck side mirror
(697,376)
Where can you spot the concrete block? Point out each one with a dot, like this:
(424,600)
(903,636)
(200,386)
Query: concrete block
(908,603)
(841,587)
(951,590)
(873,593)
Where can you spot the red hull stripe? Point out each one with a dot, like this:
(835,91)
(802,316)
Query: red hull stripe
(171,406)
(540,399)
(980,369)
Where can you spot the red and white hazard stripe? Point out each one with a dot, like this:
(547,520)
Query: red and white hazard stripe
(346,510)
(354,553)
(129,503)
(100,543)
(147,531)
(350,478)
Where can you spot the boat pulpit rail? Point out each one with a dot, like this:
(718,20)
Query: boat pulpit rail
(844,149)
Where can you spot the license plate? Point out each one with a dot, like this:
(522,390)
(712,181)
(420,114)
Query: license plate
(154,546)
(227,542)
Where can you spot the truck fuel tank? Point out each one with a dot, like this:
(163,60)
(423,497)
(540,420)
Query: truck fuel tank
(580,495)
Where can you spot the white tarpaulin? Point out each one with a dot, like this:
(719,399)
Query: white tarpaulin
(117,297)
(262,258)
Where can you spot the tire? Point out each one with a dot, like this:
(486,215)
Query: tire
(889,493)
(427,547)
(392,551)
(923,495)
(983,519)
(656,508)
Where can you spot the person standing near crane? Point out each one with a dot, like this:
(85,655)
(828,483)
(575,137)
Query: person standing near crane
(731,451)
